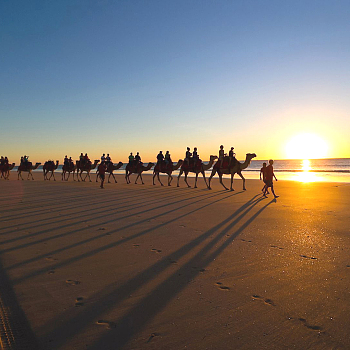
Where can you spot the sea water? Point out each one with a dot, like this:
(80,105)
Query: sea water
(305,170)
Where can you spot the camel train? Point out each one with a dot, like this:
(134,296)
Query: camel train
(223,166)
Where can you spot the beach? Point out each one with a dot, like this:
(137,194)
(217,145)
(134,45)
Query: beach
(151,267)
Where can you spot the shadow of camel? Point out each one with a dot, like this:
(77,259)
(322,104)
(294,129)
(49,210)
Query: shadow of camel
(140,314)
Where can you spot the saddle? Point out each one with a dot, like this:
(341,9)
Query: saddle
(226,163)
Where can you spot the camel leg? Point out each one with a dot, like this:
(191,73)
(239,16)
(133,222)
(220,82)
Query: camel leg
(141,178)
(154,175)
(115,181)
(242,177)
(178,178)
(170,178)
(159,179)
(220,179)
(88,175)
(195,181)
(186,180)
(137,177)
(19,175)
(213,172)
(127,179)
(205,180)
(97,175)
(53,175)
(231,188)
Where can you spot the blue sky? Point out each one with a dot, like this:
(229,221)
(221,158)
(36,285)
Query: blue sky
(121,76)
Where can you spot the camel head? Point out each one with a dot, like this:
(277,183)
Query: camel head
(250,156)
(149,165)
(213,157)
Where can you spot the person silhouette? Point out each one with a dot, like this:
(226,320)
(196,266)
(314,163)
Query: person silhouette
(269,179)
(221,155)
(188,156)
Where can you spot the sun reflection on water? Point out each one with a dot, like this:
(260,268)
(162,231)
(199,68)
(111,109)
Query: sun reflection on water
(306,175)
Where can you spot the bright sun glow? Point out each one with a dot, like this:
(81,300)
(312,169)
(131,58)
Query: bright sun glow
(306,146)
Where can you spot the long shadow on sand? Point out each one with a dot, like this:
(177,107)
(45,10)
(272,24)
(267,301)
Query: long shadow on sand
(103,216)
(112,206)
(111,245)
(147,308)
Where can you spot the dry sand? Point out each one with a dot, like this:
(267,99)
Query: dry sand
(150,267)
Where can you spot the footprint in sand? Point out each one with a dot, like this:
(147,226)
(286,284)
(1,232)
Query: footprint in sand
(307,325)
(308,257)
(244,240)
(197,268)
(51,271)
(152,336)
(275,246)
(156,250)
(108,324)
(79,302)
(222,287)
(182,226)
(101,229)
(266,301)
(72,282)
(173,261)
(136,245)
(50,258)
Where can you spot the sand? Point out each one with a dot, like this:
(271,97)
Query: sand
(151,267)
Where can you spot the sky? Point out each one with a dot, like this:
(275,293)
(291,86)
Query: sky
(125,76)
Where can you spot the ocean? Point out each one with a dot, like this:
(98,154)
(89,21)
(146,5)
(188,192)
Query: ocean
(330,170)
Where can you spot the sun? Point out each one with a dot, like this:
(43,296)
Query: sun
(306,146)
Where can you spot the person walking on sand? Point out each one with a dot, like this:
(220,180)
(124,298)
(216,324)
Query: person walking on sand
(102,172)
(263,173)
(269,179)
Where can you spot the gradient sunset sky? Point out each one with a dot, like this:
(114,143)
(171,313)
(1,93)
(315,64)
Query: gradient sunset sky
(125,76)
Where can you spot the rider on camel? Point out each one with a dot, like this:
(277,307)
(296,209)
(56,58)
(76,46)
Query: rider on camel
(160,159)
(221,155)
(137,159)
(231,155)
(188,156)
(103,158)
(131,159)
(86,159)
(66,161)
(108,160)
(195,156)
(167,158)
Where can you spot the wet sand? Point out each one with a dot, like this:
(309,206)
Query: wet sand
(151,267)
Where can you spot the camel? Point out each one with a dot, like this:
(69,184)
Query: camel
(237,167)
(110,168)
(28,168)
(86,167)
(138,169)
(5,170)
(166,170)
(50,166)
(71,168)
(199,168)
